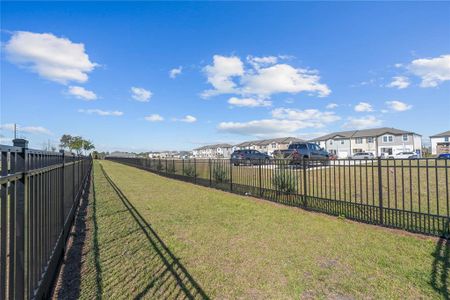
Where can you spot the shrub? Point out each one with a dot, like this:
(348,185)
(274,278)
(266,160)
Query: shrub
(171,168)
(283,181)
(159,166)
(189,170)
(219,174)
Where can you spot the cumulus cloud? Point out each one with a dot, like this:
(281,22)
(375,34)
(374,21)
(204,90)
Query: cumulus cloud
(101,112)
(432,71)
(263,77)
(175,72)
(284,121)
(331,106)
(141,94)
(399,82)
(220,74)
(248,102)
(51,57)
(398,105)
(154,118)
(363,107)
(81,93)
(26,129)
(362,123)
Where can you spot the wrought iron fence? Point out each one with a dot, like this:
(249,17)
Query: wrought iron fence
(39,195)
(410,194)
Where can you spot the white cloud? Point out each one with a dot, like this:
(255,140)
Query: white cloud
(26,129)
(263,78)
(154,118)
(363,107)
(399,82)
(175,72)
(284,121)
(314,117)
(432,71)
(187,119)
(398,105)
(220,74)
(81,93)
(56,59)
(248,102)
(141,94)
(257,62)
(101,112)
(362,123)
(331,106)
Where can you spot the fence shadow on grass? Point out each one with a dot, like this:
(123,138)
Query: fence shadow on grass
(171,280)
(440,269)
(68,285)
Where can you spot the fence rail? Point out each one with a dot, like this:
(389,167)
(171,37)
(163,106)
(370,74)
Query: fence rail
(407,194)
(39,193)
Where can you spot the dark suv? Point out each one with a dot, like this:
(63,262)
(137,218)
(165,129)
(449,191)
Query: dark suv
(249,157)
(299,151)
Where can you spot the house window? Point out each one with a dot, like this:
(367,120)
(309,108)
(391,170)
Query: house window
(388,139)
(446,139)
(342,142)
(405,137)
(370,140)
(331,142)
(358,141)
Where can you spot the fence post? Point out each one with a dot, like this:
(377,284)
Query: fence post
(260,179)
(182,167)
(61,209)
(210,175)
(305,188)
(166,165)
(195,170)
(231,175)
(380,190)
(21,197)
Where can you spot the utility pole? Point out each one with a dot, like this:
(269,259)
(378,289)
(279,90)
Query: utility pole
(15,131)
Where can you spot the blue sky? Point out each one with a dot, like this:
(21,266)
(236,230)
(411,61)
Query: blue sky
(239,70)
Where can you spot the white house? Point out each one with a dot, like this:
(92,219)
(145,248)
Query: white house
(268,145)
(214,151)
(440,143)
(377,141)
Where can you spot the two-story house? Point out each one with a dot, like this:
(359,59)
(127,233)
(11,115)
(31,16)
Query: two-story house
(213,151)
(440,143)
(378,141)
(268,145)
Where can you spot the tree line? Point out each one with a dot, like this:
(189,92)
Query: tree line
(75,143)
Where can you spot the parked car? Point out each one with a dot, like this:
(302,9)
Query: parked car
(363,155)
(248,157)
(444,156)
(404,155)
(304,150)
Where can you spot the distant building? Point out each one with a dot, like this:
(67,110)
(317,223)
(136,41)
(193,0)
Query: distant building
(268,145)
(122,154)
(170,154)
(440,143)
(213,151)
(377,141)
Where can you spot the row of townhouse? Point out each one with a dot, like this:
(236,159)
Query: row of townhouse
(224,150)
(379,141)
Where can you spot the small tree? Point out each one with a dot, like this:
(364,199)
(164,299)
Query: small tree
(159,166)
(283,181)
(65,141)
(171,167)
(219,173)
(189,170)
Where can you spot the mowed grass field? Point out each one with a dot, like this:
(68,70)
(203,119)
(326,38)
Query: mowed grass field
(153,237)
(414,185)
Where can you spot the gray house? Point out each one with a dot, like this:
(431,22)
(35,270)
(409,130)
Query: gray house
(440,143)
(378,141)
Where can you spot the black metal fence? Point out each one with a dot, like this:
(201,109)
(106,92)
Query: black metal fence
(408,194)
(39,195)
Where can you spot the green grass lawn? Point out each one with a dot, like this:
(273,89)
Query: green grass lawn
(160,238)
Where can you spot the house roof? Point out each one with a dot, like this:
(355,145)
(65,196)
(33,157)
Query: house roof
(362,133)
(215,146)
(283,140)
(442,134)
